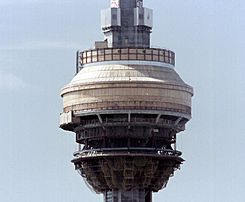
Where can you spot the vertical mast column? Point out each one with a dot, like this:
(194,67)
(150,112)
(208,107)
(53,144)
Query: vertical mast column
(127,24)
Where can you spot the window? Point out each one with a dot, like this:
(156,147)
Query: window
(114,16)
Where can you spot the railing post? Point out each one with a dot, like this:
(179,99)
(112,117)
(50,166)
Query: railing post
(77,62)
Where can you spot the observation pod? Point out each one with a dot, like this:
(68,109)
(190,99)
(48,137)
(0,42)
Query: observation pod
(126,105)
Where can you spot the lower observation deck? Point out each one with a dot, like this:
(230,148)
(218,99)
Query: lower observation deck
(127,168)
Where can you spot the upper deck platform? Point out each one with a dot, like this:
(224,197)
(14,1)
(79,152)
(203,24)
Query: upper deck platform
(129,54)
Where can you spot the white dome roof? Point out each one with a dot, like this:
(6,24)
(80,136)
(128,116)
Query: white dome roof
(125,73)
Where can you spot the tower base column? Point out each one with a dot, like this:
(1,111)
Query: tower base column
(134,195)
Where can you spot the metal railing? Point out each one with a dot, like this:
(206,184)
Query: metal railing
(125,120)
(112,54)
(126,150)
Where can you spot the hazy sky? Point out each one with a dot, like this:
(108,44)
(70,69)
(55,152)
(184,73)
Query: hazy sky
(38,40)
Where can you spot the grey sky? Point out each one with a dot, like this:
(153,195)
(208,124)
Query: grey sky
(38,40)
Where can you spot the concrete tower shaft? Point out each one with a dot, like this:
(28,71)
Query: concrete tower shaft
(126,105)
(127,24)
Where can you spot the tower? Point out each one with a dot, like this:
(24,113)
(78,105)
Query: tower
(126,106)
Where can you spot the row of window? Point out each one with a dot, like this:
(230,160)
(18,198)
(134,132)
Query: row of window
(123,106)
